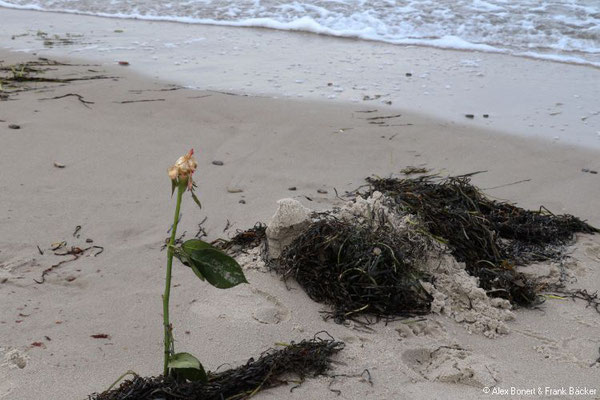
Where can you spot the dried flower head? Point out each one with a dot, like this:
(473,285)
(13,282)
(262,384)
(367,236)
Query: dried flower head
(183,168)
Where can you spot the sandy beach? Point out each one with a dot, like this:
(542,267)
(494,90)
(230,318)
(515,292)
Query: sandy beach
(93,154)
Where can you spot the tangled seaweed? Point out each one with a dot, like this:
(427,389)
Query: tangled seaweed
(24,77)
(358,269)
(304,359)
(243,240)
(489,236)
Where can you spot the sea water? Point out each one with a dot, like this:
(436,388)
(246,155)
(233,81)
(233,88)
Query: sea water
(560,30)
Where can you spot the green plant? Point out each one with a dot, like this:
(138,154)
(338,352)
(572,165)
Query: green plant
(207,263)
(18,75)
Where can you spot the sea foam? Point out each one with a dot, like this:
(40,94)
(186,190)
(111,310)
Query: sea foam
(567,30)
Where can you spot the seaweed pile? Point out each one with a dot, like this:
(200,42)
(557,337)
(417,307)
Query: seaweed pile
(358,268)
(489,236)
(303,359)
(373,257)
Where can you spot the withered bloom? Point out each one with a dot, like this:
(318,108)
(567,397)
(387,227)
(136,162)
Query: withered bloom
(183,168)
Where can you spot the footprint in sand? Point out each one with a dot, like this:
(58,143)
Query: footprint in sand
(593,252)
(5,386)
(571,349)
(451,364)
(271,311)
(257,305)
(10,359)
(415,328)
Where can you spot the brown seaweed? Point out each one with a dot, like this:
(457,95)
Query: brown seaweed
(491,237)
(307,358)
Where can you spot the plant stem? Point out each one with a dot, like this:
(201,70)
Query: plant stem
(181,186)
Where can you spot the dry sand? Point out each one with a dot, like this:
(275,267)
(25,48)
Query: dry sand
(114,185)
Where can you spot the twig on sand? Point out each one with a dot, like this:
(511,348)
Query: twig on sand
(383,117)
(79,97)
(138,101)
(229,93)
(169,89)
(508,184)
(200,97)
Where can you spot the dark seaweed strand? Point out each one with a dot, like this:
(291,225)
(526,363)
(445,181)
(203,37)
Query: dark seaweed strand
(308,358)
(489,236)
(243,240)
(357,269)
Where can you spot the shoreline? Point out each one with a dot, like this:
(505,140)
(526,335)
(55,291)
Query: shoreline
(475,47)
(444,84)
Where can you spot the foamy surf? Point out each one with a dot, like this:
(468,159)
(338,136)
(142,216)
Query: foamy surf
(568,31)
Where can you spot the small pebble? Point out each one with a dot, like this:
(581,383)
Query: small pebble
(14,126)
(408,74)
(216,162)
(242,201)
(292,188)
(89,240)
(58,165)
(471,116)
(322,191)
(486,115)
(125,63)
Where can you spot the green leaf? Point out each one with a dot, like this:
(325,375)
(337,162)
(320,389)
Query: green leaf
(187,366)
(195,198)
(220,270)
(185,260)
(196,271)
(189,246)
(184,253)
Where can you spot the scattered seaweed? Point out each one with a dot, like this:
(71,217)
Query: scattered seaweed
(358,269)
(414,170)
(243,240)
(29,75)
(305,359)
(489,236)
(74,251)
(53,40)
(592,299)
